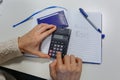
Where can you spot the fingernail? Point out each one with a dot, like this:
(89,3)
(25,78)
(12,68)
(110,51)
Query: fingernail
(55,60)
(58,52)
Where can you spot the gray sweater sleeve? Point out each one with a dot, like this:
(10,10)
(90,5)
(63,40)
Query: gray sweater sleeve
(9,50)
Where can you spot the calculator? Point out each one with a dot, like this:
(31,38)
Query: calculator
(59,42)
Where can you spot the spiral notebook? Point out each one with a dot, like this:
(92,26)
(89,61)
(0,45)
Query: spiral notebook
(85,41)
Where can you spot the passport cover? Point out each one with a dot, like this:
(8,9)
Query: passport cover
(57,18)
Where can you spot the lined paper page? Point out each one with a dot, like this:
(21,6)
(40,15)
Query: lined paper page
(85,41)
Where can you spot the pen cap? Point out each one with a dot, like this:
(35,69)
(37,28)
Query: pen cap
(102,36)
(83,12)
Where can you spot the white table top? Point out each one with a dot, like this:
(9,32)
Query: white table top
(14,11)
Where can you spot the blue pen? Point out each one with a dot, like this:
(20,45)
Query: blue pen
(86,17)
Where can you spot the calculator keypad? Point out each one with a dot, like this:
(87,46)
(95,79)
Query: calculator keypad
(54,47)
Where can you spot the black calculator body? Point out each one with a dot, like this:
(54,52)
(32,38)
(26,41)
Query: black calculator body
(59,42)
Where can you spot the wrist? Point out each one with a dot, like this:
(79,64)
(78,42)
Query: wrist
(20,45)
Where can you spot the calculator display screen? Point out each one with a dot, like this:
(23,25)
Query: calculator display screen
(58,36)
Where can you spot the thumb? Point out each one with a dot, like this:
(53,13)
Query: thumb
(41,54)
(52,67)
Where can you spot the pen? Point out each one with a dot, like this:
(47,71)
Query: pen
(90,22)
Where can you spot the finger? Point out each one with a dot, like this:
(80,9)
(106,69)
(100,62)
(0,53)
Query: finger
(38,27)
(59,59)
(48,32)
(67,60)
(72,59)
(41,54)
(52,69)
(79,62)
(45,28)
(79,67)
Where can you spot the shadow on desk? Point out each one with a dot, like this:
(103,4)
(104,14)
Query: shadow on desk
(23,58)
(20,75)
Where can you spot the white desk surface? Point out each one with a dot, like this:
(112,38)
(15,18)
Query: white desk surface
(16,10)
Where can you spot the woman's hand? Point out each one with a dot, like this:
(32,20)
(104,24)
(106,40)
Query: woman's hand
(31,42)
(69,68)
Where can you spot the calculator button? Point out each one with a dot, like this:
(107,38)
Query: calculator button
(50,50)
(58,42)
(53,55)
(54,48)
(61,46)
(62,43)
(61,49)
(55,42)
(51,44)
(58,45)
(58,49)
(54,52)
(50,54)
(55,45)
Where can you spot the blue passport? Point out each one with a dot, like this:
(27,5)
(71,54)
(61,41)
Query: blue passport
(57,18)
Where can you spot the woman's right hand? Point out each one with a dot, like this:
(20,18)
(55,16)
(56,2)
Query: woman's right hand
(31,41)
(69,68)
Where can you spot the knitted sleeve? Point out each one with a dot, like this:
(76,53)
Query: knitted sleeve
(9,50)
